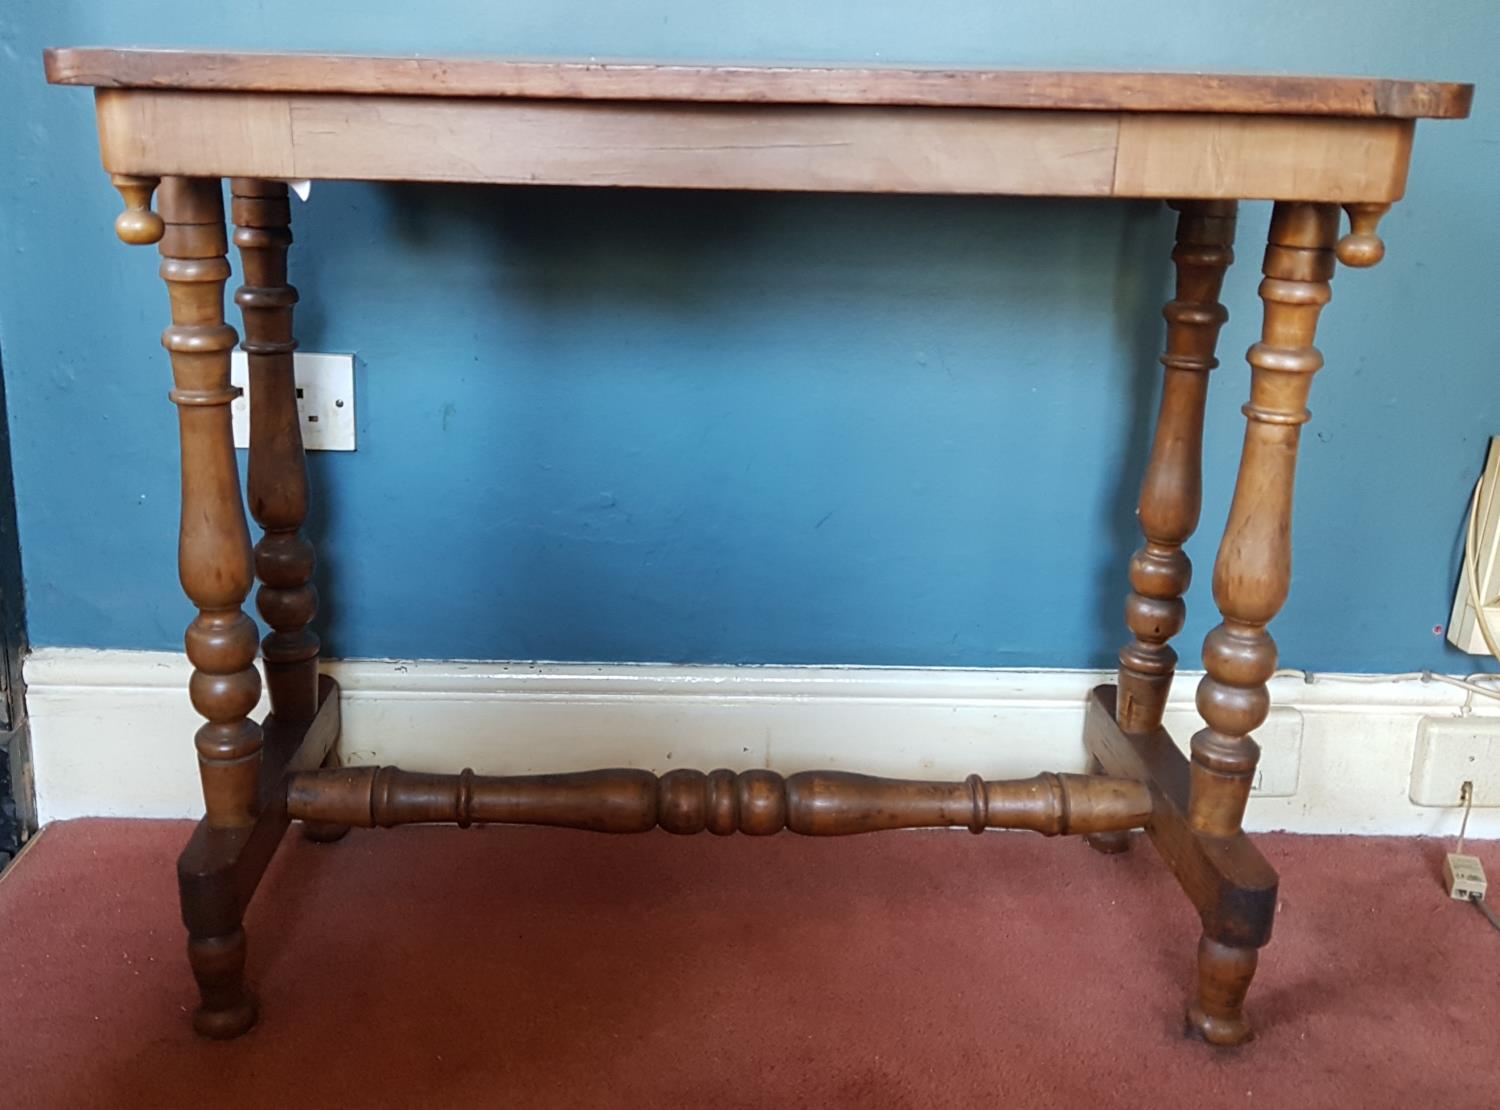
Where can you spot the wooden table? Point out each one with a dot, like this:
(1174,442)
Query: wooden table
(185,120)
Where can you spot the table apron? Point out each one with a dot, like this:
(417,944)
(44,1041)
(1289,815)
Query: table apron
(815,148)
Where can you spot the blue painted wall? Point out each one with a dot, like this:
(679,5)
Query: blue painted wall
(666,426)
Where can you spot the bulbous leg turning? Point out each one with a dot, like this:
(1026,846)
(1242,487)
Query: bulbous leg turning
(1216,1012)
(1252,576)
(228,1008)
(214,562)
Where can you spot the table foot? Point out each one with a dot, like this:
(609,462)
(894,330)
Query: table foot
(228,1008)
(324,832)
(1216,1013)
(1226,878)
(1109,844)
(219,870)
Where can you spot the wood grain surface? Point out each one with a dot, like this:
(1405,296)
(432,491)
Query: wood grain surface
(803,147)
(740,84)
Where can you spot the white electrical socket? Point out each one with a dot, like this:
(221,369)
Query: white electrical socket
(1452,751)
(325,400)
(1280,740)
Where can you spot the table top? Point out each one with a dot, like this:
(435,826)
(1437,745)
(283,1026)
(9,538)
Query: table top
(1367,97)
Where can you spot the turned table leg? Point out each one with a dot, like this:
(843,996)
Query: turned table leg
(1253,574)
(277,481)
(214,560)
(277,485)
(1171,493)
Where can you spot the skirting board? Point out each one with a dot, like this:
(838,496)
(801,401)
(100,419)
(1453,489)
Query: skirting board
(112,730)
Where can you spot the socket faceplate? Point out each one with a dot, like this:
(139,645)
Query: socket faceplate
(325,400)
(1280,740)
(1454,750)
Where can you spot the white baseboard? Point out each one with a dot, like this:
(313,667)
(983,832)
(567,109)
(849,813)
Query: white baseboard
(112,730)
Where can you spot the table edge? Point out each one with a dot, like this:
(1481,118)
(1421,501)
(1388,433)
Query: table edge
(347,74)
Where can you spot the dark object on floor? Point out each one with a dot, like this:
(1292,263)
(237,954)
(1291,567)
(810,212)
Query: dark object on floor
(10,821)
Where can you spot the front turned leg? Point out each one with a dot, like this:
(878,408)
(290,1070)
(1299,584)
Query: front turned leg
(213,561)
(1251,578)
(1172,490)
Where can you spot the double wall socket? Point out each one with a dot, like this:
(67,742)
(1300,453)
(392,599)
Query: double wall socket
(1280,740)
(1452,751)
(325,400)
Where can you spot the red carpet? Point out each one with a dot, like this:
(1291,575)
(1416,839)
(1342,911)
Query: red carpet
(533,968)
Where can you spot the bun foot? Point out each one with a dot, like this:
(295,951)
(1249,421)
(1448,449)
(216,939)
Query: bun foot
(323,832)
(1224,1032)
(228,1008)
(1109,843)
(225,1025)
(1217,1012)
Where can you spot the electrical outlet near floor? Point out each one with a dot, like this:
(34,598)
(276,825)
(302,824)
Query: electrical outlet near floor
(1280,740)
(1452,751)
(325,400)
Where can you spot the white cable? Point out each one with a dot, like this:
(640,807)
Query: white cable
(1469,683)
(1471,578)
(1468,793)
(1464,684)
(1474,683)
